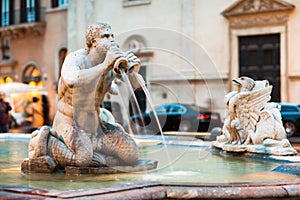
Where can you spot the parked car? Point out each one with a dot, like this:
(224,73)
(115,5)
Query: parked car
(176,117)
(290,114)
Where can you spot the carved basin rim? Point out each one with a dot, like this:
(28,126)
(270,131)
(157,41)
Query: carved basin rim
(148,190)
(142,165)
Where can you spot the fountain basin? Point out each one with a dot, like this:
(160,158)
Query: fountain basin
(187,168)
(142,165)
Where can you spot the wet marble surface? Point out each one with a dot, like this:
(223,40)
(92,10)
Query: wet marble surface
(163,191)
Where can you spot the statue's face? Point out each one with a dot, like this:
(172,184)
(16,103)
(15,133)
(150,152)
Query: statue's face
(104,41)
(244,83)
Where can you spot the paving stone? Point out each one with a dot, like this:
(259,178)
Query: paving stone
(292,190)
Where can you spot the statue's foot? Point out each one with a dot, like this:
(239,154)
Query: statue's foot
(38,143)
(42,164)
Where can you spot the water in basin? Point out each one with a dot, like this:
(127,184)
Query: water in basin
(178,162)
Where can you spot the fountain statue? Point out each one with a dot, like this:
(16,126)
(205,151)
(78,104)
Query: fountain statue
(80,138)
(252,123)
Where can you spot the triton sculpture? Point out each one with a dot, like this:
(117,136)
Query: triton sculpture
(80,137)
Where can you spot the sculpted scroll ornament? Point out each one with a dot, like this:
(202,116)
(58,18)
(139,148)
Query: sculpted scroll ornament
(253,123)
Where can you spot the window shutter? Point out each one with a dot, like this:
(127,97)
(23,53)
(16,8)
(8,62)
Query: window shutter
(11,12)
(37,10)
(23,12)
(1,12)
(54,3)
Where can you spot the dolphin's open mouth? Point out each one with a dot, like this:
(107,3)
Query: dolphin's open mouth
(236,81)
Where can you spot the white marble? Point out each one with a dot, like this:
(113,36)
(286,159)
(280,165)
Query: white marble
(252,123)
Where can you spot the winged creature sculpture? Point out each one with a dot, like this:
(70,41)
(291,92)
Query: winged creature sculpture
(251,119)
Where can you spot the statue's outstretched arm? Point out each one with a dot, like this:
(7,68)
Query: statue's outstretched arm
(75,73)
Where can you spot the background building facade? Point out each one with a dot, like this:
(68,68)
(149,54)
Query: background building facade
(191,49)
(33,43)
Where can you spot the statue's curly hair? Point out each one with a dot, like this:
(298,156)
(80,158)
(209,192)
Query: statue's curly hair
(93,31)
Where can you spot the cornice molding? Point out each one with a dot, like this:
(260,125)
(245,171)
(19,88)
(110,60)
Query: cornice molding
(246,7)
(249,13)
(258,20)
(4,63)
(19,31)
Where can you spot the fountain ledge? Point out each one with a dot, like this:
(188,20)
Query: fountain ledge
(15,136)
(261,156)
(163,191)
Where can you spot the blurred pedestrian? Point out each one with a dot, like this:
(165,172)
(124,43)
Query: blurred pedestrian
(35,110)
(5,107)
(46,109)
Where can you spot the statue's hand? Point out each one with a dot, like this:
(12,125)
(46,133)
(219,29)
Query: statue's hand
(112,55)
(134,62)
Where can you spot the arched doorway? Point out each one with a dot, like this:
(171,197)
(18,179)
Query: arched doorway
(32,75)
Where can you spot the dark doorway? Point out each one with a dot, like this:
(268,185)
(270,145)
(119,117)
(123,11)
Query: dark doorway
(259,58)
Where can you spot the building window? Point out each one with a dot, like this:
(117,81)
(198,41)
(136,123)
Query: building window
(5,49)
(129,3)
(7,12)
(30,4)
(62,3)
(59,3)
(32,75)
(30,11)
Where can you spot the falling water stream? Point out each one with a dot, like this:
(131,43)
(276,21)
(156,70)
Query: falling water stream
(131,91)
(125,77)
(122,101)
(146,91)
